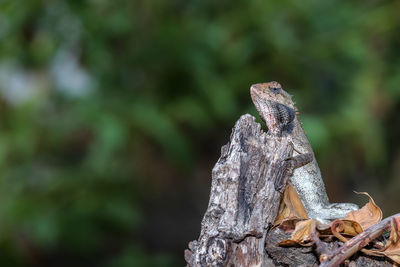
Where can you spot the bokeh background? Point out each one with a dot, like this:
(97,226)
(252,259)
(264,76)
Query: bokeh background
(112,114)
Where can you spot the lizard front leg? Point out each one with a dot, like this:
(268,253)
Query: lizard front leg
(289,165)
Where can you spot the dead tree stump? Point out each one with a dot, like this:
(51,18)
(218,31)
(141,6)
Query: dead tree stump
(247,183)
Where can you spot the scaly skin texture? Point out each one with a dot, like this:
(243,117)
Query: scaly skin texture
(277,109)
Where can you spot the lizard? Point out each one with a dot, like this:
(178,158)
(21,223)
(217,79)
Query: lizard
(278,111)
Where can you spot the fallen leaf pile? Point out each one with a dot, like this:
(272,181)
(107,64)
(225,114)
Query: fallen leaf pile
(292,218)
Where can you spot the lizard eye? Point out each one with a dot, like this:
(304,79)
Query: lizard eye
(275,90)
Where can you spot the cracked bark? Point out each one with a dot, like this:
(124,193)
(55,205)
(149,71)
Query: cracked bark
(247,183)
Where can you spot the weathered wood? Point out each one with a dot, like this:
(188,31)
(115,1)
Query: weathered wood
(247,183)
(243,200)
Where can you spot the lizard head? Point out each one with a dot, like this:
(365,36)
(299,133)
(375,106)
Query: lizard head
(275,107)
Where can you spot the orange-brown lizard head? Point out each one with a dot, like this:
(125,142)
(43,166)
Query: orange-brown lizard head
(275,107)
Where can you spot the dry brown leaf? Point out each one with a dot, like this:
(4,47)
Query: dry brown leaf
(293,201)
(302,234)
(345,227)
(291,206)
(392,247)
(368,215)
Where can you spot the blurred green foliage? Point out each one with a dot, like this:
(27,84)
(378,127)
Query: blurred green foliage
(112,114)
